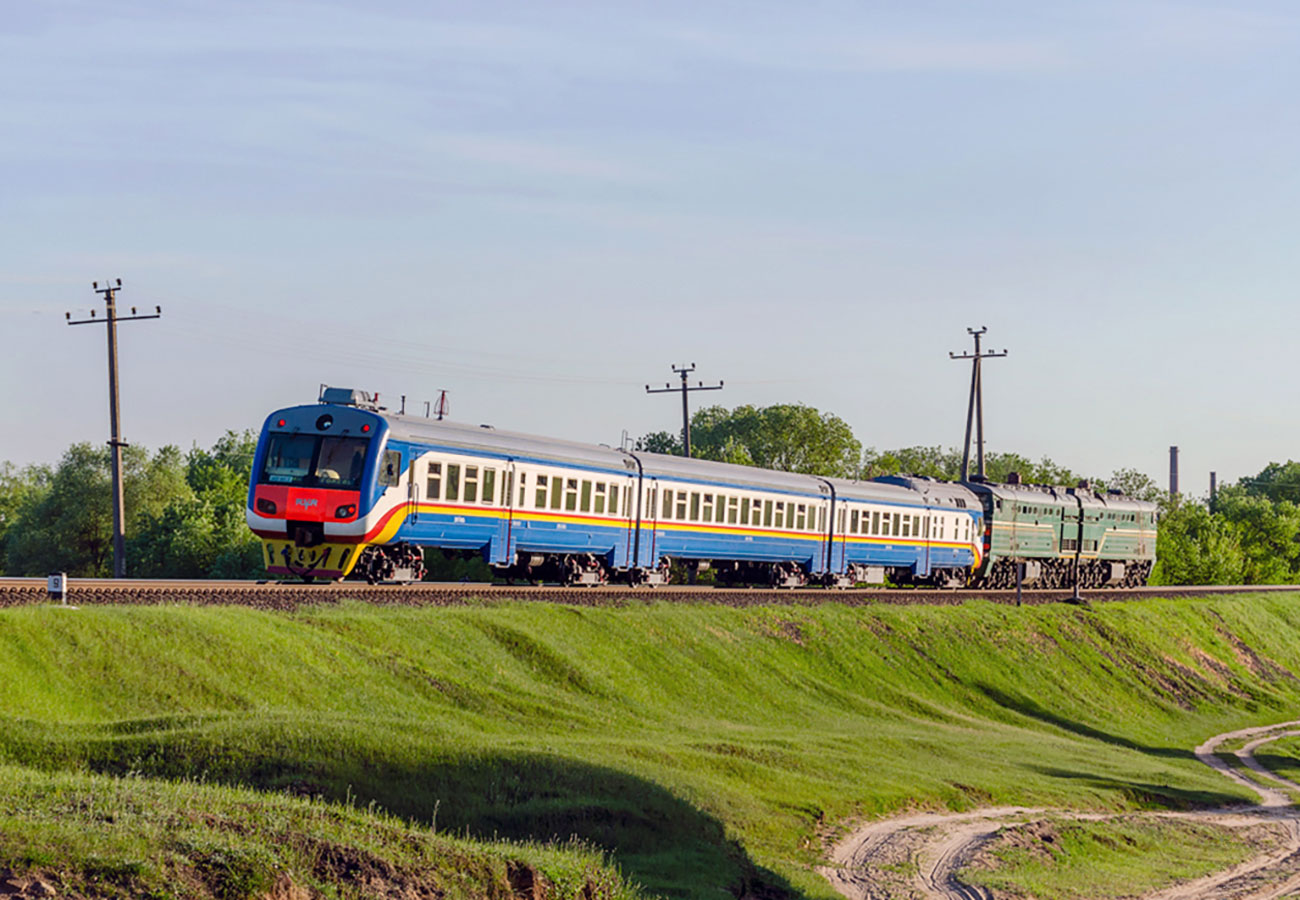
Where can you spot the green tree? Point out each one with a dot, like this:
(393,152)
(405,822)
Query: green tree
(1269,535)
(1135,484)
(1195,547)
(68,524)
(204,534)
(785,437)
(1278,481)
(660,442)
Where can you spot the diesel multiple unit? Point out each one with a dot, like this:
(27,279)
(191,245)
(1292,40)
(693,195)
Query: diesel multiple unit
(344,486)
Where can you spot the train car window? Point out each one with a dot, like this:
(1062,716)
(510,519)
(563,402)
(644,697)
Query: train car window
(695,506)
(885,524)
(571,494)
(821,518)
(453,482)
(627,502)
(898,521)
(780,515)
(523,485)
(843,519)
(471,484)
(801,517)
(541,492)
(916,526)
(733,510)
(613,499)
(681,506)
(853,521)
(667,512)
(767,513)
(907,526)
(433,487)
(599,503)
(706,514)
(584,501)
(557,491)
(489,485)
(744,510)
(926,526)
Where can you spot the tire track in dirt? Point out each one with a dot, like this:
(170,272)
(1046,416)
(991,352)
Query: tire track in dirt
(918,856)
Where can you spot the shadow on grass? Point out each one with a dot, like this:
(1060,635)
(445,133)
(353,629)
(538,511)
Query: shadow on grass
(659,840)
(1145,793)
(1030,708)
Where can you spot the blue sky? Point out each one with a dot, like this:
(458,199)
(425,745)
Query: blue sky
(541,207)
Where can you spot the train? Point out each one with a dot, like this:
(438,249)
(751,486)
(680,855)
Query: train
(344,487)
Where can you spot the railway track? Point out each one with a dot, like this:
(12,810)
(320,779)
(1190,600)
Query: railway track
(291,595)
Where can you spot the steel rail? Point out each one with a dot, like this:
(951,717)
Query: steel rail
(291,595)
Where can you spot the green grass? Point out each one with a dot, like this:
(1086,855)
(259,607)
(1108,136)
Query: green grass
(707,749)
(134,837)
(1127,857)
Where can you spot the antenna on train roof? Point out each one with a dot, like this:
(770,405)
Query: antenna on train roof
(443,406)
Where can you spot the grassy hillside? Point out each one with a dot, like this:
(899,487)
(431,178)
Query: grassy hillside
(709,749)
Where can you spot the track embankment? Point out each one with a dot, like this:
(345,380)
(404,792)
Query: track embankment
(923,854)
(285,595)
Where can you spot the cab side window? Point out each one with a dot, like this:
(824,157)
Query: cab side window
(390,470)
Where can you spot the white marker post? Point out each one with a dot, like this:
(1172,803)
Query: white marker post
(57,586)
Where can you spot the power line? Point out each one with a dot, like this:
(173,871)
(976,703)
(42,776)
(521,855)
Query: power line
(686,410)
(975,408)
(114,413)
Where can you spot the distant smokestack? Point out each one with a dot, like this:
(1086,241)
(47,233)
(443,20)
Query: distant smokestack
(1173,472)
(1214,489)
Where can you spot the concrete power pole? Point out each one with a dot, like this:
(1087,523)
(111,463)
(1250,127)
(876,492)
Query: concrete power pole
(975,408)
(686,410)
(114,414)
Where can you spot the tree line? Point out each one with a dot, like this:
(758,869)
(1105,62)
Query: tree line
(184,513)
(185,510)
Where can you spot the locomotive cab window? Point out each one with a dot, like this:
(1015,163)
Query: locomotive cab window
(310,460)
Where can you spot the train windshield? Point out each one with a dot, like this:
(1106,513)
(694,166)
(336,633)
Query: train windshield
(313,460)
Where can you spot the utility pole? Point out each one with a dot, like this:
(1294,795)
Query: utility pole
(686,410)
(114,414)
(975,408)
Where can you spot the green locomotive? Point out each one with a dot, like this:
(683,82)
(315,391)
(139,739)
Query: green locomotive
(1109,538)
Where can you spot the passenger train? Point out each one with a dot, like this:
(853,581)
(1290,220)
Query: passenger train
(344,486)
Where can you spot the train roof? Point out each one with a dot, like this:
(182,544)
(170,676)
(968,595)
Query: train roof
(664,466)
(485,437)
(877,491)
(936,492)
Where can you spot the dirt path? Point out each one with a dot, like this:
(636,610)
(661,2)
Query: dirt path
(918,856)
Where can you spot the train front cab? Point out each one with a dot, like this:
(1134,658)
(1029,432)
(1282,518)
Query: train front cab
(316,474)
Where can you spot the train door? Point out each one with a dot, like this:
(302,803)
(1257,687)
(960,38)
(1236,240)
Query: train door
(925,538)
(412,493)
(502,550)
(649,525)
(624,494)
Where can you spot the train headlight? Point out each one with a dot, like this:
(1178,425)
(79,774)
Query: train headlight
(346,510)
(266,507)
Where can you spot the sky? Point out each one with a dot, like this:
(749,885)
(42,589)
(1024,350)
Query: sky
(542,207)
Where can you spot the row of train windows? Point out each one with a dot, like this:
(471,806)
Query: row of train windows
(883,524)
(574,494)
(478,484)
(696,506)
